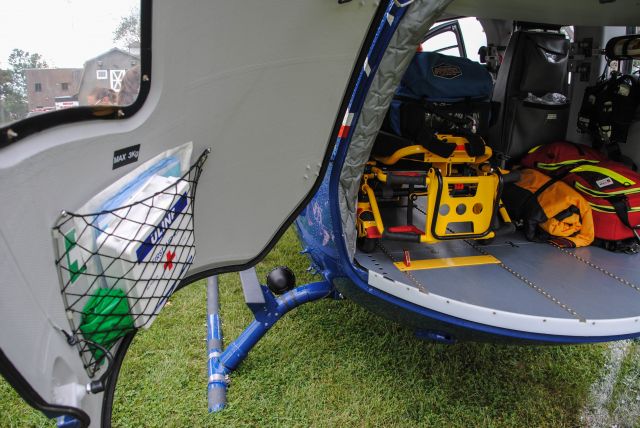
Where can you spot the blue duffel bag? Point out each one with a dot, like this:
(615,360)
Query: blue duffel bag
(448,92)
(440,78)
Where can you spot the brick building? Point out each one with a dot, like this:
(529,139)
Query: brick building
(44,84)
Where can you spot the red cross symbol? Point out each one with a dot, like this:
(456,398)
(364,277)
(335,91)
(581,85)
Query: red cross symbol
(169,264)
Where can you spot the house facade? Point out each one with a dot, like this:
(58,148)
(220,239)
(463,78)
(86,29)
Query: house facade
(45,84)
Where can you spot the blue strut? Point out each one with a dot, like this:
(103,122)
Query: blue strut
(217,391)
(267,310)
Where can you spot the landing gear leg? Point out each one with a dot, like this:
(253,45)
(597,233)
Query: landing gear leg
(267,310)
(217,388)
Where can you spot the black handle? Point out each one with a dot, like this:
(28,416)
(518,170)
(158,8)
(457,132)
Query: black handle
(401,236)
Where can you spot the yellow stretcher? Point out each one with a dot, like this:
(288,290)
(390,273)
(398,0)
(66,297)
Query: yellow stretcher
(462,195)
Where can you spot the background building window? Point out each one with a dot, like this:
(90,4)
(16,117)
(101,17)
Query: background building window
(38,87)
(64,86)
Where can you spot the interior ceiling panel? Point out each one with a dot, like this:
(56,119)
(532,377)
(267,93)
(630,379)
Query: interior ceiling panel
(570,12)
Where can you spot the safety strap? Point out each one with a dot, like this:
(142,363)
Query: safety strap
(559,175)
(475,145)
(621,206)
(545,186)
(566,213)
(435,145)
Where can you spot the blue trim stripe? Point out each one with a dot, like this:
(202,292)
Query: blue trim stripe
(386,29)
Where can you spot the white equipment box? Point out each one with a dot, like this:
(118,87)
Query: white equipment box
(147,246)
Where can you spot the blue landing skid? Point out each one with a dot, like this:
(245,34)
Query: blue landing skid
(267,310)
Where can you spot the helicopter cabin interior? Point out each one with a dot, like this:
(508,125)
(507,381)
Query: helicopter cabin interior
(427,222)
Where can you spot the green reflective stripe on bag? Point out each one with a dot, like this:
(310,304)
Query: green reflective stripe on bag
(606,172)
(533,149)
(558,165)
(610,209)
(599,194)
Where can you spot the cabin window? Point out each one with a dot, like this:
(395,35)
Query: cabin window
(445,43)
(71,55)
(461,37)
(474,37)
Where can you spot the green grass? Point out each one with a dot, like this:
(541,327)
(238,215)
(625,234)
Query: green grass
(332,363)
(625,397)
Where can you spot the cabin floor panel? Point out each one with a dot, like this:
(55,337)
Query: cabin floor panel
(590,292)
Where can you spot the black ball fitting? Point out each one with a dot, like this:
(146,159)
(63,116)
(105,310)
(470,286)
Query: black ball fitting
(280,280)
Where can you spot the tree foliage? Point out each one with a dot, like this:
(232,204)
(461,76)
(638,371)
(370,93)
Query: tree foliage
(7,97)
(20,61)
(13,84)
(128,30)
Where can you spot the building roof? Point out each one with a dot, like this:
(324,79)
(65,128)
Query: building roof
(55,68)
(112,50)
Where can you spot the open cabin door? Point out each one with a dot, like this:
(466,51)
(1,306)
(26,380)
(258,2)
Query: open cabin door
(446,39)
(260,83)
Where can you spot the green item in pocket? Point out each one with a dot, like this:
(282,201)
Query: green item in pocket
(105,319)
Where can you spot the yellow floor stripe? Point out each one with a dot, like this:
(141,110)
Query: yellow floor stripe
(447,263)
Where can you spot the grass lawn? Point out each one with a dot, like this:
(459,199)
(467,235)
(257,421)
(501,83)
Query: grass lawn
(331,363)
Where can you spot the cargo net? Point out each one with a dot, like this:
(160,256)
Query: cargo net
(118,267)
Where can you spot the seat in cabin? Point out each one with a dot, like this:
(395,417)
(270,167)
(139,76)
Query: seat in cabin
(534,66)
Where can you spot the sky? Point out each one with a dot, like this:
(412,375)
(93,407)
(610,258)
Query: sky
(69,32)
(473,36)
(65,32)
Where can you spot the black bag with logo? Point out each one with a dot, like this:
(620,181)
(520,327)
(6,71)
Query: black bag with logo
(442,93)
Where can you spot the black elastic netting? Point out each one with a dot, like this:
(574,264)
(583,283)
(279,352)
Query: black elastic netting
(108,294)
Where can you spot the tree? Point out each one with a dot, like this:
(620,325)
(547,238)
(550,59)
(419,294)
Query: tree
(5,94)
(13,83)
(128,30)
(20,61)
